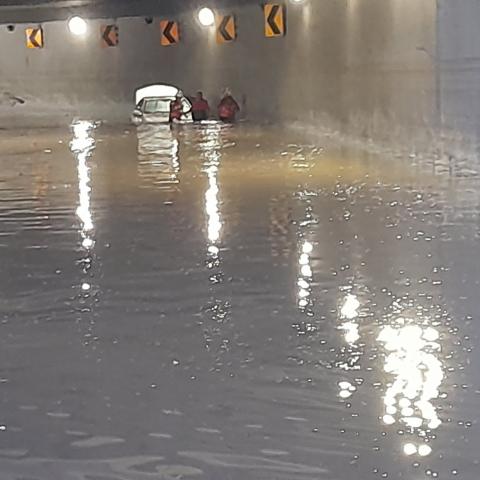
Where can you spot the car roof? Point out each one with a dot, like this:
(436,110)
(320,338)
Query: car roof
(155,91)
(158,98)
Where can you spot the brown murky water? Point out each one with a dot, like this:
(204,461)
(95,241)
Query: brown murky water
(234,303)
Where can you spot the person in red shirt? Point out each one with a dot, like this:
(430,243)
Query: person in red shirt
(228,107)
(200,108)
(176,109)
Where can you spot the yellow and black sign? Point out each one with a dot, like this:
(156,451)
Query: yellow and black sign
(109,35)
(274,20)
(34,37)
(170,33)
(226,28)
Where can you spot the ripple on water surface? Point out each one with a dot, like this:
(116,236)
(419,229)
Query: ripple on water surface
(251,304)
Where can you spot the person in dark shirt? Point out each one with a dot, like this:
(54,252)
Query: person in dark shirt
(200,108)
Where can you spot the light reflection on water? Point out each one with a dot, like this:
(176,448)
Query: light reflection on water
(218,307)
(349,314)
(158,156)
(350,328)
(412,360)
(210,147)
(214,224)
(305,276)
(305,282)
(82,146)
(405,346)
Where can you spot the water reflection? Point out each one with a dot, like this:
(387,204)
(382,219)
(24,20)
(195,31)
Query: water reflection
(210,147)
(82,146)
(413,361)
(305,298)
(214,224)
(349,314)
(158,156)
(288,399)
(218,308)
(351,353)
(279,224)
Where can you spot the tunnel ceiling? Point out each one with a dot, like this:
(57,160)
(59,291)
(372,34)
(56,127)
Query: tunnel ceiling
(13,11)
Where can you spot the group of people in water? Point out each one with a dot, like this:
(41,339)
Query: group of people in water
(227,108)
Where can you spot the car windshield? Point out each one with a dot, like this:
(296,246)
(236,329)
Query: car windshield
(157,105)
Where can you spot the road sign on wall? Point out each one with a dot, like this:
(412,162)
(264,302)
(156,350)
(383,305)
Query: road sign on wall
(34,37)
(274,20)
(109,35)
(170,33)
(226,28)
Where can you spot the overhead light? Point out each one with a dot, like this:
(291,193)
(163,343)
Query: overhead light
(206,17)
(77,26)
(297,1)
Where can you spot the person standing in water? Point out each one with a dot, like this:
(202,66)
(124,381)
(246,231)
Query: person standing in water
(228,107)
(176,108)
(200,108)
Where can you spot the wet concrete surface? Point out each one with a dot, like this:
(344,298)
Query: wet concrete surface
(234,303)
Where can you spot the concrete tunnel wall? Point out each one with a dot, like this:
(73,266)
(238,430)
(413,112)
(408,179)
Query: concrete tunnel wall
(356,65)
(458,52)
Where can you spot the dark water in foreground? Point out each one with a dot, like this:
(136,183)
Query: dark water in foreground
(232,303)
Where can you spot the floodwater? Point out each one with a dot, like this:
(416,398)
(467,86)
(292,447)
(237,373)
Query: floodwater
(234,303)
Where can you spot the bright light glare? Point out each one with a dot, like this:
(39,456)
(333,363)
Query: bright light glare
(412,359)
(350,307)
(409,449)
(82,146)
(206,17)
(211,205)
(424,450)
(345,394)
(307,247)
(388,420)
(305,277)
(77,26)
(351,332)
(306,271)
(211,146)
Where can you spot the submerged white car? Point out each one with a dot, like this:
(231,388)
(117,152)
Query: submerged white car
(153,104)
